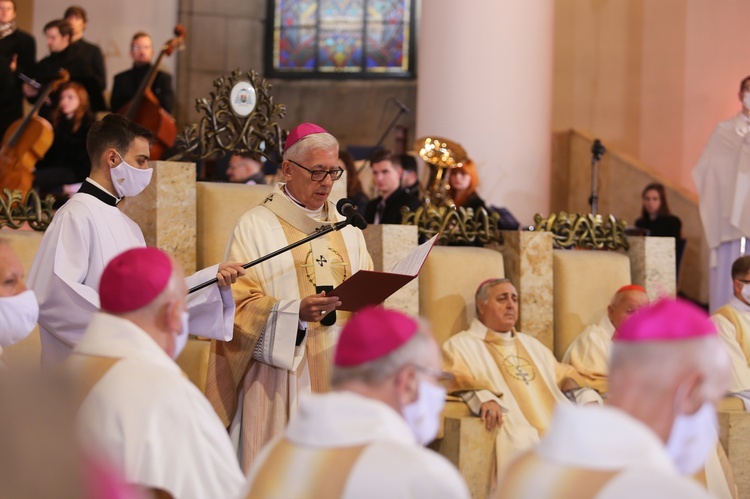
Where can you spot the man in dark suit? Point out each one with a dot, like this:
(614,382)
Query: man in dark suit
(386,208)
(90,56)
(17,55)
(126,83)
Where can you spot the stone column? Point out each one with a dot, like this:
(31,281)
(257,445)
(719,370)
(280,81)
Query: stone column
(485,81)
(652,265)
(528,264)
(388,244)
(166,213)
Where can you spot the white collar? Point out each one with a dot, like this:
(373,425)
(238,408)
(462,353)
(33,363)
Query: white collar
(320,214)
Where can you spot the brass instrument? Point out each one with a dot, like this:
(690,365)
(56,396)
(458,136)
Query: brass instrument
(440,155)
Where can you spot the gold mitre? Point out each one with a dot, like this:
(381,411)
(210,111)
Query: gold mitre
(440,152)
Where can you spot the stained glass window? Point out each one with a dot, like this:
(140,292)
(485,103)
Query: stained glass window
(345,38)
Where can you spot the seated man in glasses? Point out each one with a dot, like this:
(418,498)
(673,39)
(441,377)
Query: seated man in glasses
(510,379)
(285,325)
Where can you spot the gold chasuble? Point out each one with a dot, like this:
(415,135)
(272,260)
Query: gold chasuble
(521,375)
(262,364)
(730,314)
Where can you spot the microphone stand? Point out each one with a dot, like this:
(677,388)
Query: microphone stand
(382,138)
(597,151)
(318,233)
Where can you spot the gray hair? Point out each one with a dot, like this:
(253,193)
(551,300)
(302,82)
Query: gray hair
(305,145)
(376,371)
(484,289)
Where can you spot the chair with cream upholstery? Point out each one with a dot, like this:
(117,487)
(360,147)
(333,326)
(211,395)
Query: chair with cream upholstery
(447,284)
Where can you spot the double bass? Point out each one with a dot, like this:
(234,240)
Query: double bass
(26,141)
(144,107)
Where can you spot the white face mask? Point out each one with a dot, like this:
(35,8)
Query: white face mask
(745,292)
(692,438)
(746,100)
(128,180)
(181,340)
(423,415)
(18,316)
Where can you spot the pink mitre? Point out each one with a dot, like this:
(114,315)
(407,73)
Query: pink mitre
(669,319)
(372,333)
(133,279)
(300,132)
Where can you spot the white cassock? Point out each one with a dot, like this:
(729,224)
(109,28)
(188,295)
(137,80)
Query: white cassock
(722,176)
(146,417)
(518,372)
(589,353)
(597,452)
(342,444)
(733,323)
(85,234)
(264,363)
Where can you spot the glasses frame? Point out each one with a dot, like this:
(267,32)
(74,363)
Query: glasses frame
(335,174)
(439,375)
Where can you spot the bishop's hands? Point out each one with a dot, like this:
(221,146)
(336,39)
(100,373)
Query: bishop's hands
(228,274)
(314,307)
(491,414)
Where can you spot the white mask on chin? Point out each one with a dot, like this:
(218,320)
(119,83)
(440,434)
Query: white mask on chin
(181,340)
(423,415)
(692,438)
(128,180)
(746,100)
(18,316)
(745,292)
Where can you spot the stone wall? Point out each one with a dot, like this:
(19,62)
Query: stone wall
(229,34)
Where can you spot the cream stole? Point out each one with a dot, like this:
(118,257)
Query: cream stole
(730,314)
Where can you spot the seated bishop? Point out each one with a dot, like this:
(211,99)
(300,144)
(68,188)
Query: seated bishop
(508,378)
(589,352)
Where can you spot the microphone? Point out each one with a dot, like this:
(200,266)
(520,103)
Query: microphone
(401,106)
(346,207)
(598,149)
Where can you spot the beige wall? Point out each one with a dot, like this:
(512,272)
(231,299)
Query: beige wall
(650,78)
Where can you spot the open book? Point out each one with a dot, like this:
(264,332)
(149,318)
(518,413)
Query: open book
(368,287)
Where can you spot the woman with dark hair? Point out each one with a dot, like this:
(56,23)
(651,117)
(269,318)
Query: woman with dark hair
(464,181)
(354,189)
(67,161)
(655,214)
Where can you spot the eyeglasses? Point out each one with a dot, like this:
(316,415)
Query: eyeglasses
(744,281)
(320,175)
(435,373)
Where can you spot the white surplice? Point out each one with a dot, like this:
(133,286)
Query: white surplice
(597,452)
(740,380)
(516,434)
(722,176)
(392,464)
(85,234)
(589,353)
(149,420)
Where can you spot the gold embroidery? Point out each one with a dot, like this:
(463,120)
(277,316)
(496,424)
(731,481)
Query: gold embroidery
(338,266)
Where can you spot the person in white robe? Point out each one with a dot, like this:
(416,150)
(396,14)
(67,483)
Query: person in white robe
(284,336)
(668,372)
(19,309)
(137,408)
(722,176)
(589,353)
(365,438)
(89,230)
(508,378)
(733,322)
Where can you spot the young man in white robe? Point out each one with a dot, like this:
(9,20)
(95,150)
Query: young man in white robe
(589,352)
(508,378)
(733,322)
(137,408)
(19,310)
(285,326)
(89,230)
(668,372)
(722,176)
(365,437)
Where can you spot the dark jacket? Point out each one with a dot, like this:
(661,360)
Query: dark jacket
(393,205)
(126,85)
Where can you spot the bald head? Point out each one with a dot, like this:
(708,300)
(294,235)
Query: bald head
(625,303)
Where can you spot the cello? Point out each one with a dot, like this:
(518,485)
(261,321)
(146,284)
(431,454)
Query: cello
(144,107)
(26,141)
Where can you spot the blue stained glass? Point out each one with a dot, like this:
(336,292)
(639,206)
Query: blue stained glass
(296,49)
(340,50)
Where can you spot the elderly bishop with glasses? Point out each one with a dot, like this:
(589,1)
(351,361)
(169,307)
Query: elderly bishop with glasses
(285,326)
